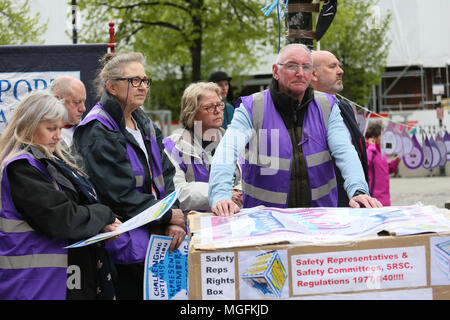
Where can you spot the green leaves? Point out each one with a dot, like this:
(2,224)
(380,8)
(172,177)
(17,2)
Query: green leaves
(17,26)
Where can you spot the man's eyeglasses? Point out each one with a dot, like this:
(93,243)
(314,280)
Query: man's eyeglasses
(211,108)
(293,67)
(137,82)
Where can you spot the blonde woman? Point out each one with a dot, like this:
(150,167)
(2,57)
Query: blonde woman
(191,148)
(47,203)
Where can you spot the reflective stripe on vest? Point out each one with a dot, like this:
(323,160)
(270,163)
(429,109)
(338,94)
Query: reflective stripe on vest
(14,226)
(34,261)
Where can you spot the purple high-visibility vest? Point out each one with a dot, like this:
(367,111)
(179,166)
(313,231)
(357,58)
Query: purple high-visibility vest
(267,163)
(194,169)
(131,246)
(33,266)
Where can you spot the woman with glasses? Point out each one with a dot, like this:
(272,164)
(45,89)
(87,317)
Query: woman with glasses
(123,155)
(191,148)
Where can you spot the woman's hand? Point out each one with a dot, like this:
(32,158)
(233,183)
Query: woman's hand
(178,218)
(177,233)
(113,226)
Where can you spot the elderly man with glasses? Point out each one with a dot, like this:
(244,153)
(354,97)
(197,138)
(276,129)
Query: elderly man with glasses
(287,136)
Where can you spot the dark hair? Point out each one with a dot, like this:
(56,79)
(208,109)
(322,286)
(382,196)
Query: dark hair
(373,131)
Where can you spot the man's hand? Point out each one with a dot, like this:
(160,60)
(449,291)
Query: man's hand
(364,201)
(177,233)
(225,207)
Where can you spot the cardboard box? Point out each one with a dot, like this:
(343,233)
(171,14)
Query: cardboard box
(372,267)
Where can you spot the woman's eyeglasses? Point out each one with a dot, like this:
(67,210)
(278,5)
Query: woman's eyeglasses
(211,108)
(137,82)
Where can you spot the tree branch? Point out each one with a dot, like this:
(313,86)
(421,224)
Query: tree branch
(158,23)
(145,4)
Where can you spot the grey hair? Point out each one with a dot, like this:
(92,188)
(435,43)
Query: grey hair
(36,107)
(113,68)
(293,45)
(190,98)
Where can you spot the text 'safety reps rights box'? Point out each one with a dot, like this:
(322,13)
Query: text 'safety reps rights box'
(370,267)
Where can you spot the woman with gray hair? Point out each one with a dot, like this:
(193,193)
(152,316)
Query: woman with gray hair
(47,203)
(123,154)
(191,148)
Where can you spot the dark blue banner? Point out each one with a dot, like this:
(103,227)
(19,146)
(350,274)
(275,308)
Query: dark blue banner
(27,68)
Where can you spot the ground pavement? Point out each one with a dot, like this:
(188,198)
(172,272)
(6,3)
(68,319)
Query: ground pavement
(427,190)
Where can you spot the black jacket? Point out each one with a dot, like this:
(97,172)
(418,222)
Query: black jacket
(358,142)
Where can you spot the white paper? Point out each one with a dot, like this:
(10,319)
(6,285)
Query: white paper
(153,213)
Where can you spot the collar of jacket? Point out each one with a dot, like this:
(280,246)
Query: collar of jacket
(113,107)
(50,166)
(286,103)
(288,107)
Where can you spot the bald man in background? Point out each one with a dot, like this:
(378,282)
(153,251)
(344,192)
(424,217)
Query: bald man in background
(327,77)
(73,93)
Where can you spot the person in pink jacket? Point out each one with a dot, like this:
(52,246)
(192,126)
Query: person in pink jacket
(379,167)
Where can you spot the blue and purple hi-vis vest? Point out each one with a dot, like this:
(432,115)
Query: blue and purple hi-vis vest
(266,167)
(33,266)
(131,246)
(195,169)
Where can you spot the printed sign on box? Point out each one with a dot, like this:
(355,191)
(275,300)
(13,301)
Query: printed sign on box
(358,270)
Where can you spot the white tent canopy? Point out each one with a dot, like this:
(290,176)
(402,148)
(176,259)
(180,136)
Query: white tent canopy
(419,31)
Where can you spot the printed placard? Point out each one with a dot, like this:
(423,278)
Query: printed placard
(218,278)
(263,275)
(165,273)
(358,270)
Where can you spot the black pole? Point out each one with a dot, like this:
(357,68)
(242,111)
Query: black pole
(74,22)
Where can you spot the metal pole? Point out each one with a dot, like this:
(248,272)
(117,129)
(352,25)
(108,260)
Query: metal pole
(74,22)
(111,43)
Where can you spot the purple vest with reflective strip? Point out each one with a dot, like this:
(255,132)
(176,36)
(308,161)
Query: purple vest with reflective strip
(201,174)
(32,265)
(266,172)
(131,246)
